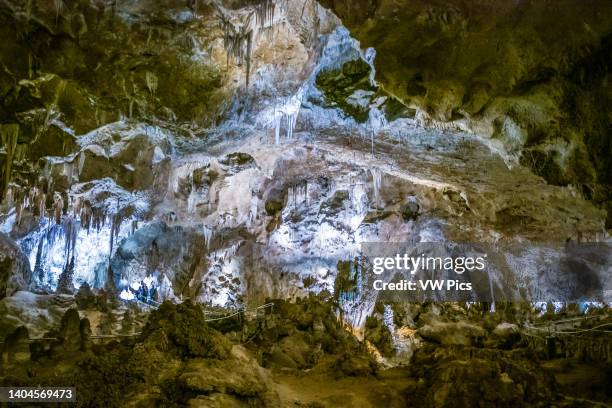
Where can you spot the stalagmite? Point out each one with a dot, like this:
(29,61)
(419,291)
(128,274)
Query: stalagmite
(64,284)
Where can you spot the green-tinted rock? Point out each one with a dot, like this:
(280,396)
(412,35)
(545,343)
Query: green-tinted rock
(339,85)
(188,334)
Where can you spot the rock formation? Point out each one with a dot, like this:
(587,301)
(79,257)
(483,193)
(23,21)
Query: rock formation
(503,70)
(188,190)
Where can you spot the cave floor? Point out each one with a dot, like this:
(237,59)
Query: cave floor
(320,386)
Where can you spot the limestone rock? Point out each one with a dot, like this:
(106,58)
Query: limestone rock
(505,335)
(527,89)
(69,333)
(452,333)
(186,333)
(16,347)
(361,365)
(457,377)
(15,271)
(85,298)
(238,376)
(275,201)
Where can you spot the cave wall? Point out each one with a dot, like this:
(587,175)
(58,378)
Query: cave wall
(70,67)
(532,75)
(14,268)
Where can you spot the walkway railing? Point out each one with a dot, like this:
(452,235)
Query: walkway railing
(255,310)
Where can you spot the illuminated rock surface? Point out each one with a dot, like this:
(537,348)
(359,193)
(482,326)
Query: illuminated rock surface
(232,152)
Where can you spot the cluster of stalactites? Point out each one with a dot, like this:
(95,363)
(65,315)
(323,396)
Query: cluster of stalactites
(238,39)
(63,218)
(68,229)
(264,13)
(238,44)
(34,200)
(80,215)
(298,193)
(89,217)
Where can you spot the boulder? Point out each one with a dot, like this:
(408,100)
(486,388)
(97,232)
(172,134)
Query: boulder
(16,347)
(474,376)
(377,333)
(505,335)
(94,163)
(297,348)
(216,400)
(356,365)
(238,162)
(460,383)
(238,376)
(277,358)
(452,333)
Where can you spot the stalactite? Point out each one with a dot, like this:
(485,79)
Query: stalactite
(277,127)
(116,221)
(70,229)
(239,40)
(42,199)
(152,82)
(248,56)
(376,184)
(58,207)
(208,236)
(291,119)
(18,212)
(8,137)
(238,43)
(59,5)
(298,193)
(38,266)
(9,197)
(264,13)
(97,218)
(288,109)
